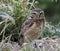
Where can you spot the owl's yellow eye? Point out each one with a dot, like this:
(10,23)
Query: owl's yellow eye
(33,15)
(41,13)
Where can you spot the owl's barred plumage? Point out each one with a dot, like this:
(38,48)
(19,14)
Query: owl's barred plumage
(32,28)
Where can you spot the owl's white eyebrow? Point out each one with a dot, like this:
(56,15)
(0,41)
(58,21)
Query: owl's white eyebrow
(34,12)
(41,12)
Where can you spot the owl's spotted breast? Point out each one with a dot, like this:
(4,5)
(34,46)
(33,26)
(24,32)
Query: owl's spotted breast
(34,31)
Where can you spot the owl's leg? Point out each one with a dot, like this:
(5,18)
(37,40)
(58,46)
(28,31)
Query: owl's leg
(21,40)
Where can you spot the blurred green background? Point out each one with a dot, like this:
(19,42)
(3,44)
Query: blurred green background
(51,9)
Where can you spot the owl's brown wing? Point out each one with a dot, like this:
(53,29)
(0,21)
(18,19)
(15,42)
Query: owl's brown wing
(26,25)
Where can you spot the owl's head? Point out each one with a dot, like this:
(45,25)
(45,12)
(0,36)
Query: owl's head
(36,13)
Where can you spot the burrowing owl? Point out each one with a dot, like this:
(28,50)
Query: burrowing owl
(32,28)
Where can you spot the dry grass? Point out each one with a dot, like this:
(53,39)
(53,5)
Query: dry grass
(45,44)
